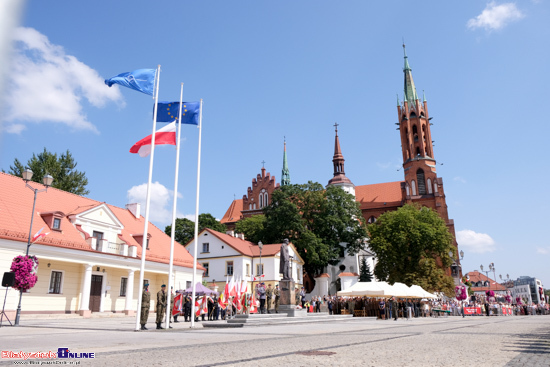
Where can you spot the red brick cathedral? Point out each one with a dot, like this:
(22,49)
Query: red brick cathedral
(421,184)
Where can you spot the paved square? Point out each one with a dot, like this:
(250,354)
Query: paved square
(452,341)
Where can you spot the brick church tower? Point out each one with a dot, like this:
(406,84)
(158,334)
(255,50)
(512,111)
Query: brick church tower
(421,183)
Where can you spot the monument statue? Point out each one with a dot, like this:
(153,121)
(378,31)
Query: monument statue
(284,264)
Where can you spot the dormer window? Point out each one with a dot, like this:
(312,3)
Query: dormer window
(53,219)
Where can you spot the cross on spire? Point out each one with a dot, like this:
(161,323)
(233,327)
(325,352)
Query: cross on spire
(263,162)
(336,126)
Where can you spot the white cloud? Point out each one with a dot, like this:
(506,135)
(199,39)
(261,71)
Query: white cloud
(47,85)
(459,179)
(475,242)
(161,203)
(495,16)
(543,250)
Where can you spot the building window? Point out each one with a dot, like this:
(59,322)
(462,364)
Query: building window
(259,269)
(55,282)
(429,183)
(123,285)
(247,270)
(421,182)
(413,185)
(187,284)
(261,200)
(205,266)
(371,219)
(229,267)
(56,223)
(206,247)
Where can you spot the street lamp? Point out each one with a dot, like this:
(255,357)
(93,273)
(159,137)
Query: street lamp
(261,246)
(47,180)
(491,269)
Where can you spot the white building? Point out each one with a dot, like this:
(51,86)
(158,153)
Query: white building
(225,255)
(529,289)
(91,258)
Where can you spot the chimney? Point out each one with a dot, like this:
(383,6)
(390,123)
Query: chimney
(134,209)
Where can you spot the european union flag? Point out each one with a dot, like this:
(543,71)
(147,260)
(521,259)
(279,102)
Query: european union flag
(142,80)
(168,112)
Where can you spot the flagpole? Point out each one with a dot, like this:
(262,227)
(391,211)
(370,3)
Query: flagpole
(147,201)
(196,220)
(173,234)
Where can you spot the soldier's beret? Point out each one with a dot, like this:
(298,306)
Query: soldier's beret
(146,285)
(162,286)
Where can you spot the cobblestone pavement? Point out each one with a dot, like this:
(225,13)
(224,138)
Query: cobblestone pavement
(453,341)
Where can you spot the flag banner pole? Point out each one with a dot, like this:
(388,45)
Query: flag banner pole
(173,233)
(196,218)
(147,201)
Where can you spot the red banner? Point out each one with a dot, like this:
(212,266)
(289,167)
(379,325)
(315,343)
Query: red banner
(178,304)
(472,310)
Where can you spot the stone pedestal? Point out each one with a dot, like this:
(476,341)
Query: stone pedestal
(287,302)
(286,288)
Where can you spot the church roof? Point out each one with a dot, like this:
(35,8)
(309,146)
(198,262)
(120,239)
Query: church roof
(379,195)
(233,213)
(16,202)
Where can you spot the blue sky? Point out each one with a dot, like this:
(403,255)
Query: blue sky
(270,70)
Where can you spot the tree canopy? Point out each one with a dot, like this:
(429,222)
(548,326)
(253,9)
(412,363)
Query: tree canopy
(412,246)
(251,227)
(316,220)
(185,228)
(61,168)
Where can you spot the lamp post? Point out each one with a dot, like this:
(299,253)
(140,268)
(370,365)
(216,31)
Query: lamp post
(487,274)
(261,246)
(47,180)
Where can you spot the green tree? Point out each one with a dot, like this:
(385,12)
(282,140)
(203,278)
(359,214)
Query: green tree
(185,228)
(316,220)
(61,168)
(412,245)
(364,271)
(252,228)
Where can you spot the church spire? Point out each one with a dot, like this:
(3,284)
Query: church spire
(285,174)
(340,178)
(410,89)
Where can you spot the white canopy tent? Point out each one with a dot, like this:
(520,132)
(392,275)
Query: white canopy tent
(383,289)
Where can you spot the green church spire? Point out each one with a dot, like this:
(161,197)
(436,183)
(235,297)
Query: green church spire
(410,89)
(285,175)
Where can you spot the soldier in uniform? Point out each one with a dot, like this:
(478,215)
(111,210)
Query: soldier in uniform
(187,309)
(161,305)
(269,297)
(145,304)
(277,294)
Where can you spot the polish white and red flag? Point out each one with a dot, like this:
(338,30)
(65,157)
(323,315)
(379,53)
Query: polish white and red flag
(165,135)
(39,235)
(259,277)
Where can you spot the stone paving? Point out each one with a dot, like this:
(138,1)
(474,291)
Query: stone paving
(452,341)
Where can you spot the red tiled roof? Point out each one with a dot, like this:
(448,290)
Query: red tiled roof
(16,202)
(348,275)
(475,276)
(243,246)
(375,195)
(233,214)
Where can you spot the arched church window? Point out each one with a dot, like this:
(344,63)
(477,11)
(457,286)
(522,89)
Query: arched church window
(407,190)
(261,201)
(421,182)
(429,184)
(435,187)
(417,151)
(415,133)
(413,186)
(266,202)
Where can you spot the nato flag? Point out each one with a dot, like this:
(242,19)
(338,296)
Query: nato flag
(168,112)
(142,80)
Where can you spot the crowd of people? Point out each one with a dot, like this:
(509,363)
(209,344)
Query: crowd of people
(208,307)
